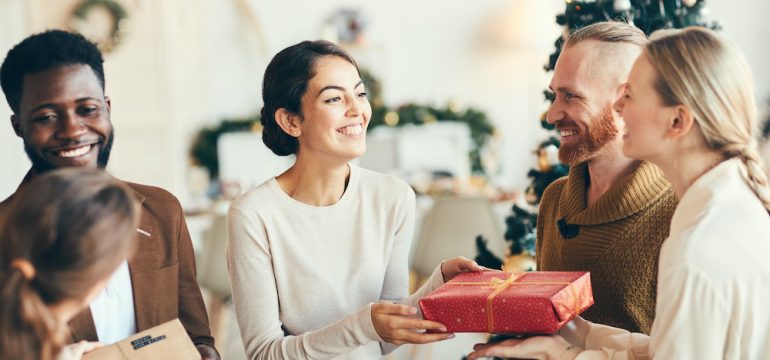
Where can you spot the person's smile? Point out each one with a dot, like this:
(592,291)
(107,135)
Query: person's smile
(353,131)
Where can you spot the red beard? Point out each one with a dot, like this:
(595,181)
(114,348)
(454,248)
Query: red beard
(601,132)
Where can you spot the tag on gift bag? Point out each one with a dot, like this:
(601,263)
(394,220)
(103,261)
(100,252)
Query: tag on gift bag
(165,341)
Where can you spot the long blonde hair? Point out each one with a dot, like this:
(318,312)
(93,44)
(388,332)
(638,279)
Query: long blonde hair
(699,69)
(70,227)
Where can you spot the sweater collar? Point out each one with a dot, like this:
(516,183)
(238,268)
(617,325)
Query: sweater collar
(630,195)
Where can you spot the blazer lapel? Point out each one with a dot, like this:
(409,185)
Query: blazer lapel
(141,267)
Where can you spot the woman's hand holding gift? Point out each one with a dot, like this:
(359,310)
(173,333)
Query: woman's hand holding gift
(458,265)
(398,324)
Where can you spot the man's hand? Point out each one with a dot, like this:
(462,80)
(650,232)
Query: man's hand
(207,352)
(396,324)
(552,347)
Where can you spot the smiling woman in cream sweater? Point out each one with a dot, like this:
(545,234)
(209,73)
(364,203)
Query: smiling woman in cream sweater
(311,250)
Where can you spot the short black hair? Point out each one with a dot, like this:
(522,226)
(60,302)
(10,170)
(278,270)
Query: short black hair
(46,51)
(284,84)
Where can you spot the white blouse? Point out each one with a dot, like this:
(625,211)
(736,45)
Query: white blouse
(713,297)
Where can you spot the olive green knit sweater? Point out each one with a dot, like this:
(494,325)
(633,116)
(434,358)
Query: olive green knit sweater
(617,239)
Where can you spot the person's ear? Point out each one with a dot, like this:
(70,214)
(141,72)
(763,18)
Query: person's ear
(288,121)
(680,123)
(16,125)
(109,103)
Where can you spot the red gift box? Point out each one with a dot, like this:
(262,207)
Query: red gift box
(499,302)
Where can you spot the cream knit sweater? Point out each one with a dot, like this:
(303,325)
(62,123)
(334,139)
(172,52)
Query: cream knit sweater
(303,277)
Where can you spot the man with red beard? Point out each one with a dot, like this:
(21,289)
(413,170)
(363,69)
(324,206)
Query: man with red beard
(54,84)
(611,214)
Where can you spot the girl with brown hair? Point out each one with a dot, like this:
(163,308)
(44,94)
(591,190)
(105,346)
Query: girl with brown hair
(63,237)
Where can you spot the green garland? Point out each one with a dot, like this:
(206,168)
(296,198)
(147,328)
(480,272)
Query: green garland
(204,147)
(477,120)
(117,12)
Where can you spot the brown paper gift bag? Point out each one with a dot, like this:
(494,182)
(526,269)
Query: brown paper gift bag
(165,341)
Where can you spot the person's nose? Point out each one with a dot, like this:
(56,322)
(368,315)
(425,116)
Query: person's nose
(354,107)
(555,112)
(71,126)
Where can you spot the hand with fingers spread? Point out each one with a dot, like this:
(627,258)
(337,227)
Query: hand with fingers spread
(458,265)
(552,347)
(397,324)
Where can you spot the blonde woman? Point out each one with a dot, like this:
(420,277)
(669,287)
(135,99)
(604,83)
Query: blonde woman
(689,108)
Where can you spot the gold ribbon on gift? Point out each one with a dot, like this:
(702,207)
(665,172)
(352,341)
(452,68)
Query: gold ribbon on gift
(499,285)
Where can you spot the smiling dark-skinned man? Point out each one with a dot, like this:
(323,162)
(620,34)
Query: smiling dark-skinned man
(54,84)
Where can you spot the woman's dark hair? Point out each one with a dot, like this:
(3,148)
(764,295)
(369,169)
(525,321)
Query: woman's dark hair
(284,84)
(70,228)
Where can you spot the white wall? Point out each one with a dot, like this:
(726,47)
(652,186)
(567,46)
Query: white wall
(187,63)
(745,22)
(13,161)
(236,58)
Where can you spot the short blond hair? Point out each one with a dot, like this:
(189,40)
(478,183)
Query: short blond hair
(608,32)
(699,69)
(614,48)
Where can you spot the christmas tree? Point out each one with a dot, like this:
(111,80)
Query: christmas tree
(647,15)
